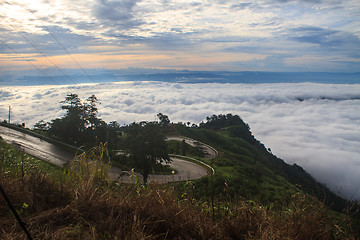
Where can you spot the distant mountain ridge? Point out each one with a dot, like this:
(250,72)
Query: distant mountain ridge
(184,76)
(249,77)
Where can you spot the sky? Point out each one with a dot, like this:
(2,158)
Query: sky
(55,37)
(316,126)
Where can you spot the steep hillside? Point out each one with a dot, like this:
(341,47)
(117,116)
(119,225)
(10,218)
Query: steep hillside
(250,170)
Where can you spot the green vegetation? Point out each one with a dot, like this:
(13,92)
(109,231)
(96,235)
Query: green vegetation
(185,149)
(142,145)
(249,170)
(14,160)
(80,125)
(81,203)
(145,147)
(252,195)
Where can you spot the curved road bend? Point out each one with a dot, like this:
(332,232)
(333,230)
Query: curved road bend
(185,170)
(211,152)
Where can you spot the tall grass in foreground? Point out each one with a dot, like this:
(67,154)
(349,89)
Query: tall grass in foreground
(82,203)
(87,173)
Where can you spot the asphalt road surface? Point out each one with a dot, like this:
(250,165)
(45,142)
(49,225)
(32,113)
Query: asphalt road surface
(210,151)
(36,146)
(185,170)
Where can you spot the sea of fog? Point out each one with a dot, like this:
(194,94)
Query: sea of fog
(314,125)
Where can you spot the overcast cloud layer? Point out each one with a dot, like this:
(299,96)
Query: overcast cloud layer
(316,126)
(261,35)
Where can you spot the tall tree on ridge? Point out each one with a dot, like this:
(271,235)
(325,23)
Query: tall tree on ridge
(71,123)
(146,146)
(91,111)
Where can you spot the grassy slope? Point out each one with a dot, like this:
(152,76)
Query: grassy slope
(85,205)
(253,172)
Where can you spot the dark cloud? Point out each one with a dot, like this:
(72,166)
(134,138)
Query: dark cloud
(116,13)
(58,37)
(242,6)
(84,25)
(53,42)
(324,37)
(327,41)
(321,36)
(115,10)
(12,41)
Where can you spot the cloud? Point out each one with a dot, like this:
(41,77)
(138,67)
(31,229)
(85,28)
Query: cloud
(241,6)
(185,34)
(114,10)
(69,40)
(313,125)
(118,13)
(306,1)
(5,95)
(327,38)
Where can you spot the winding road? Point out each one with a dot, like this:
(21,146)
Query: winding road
(210,152)
(36,146)
(185,170)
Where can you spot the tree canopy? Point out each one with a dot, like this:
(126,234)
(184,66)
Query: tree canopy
(223,121)
(164,120)
(80,124)
(146,147)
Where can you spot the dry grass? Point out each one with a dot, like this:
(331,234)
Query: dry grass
(85,205)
